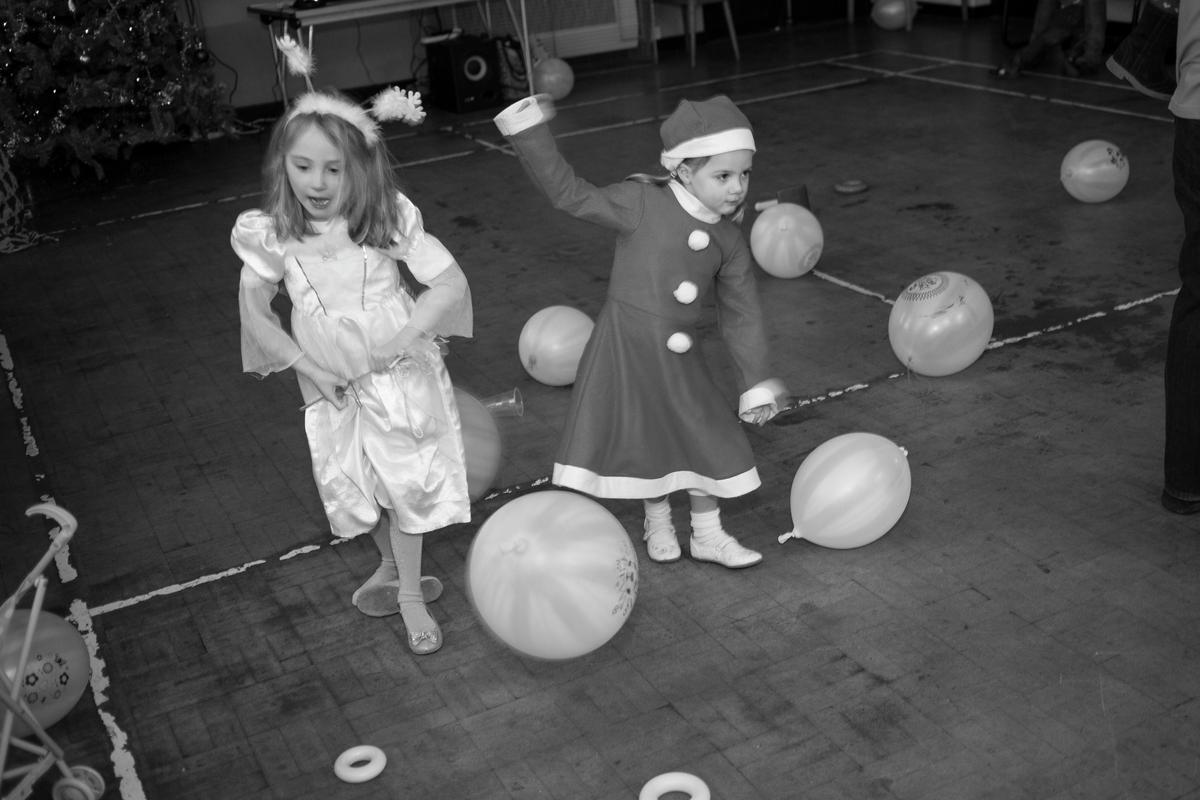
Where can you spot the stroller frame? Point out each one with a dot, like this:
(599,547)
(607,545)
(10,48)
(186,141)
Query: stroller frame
(76,782)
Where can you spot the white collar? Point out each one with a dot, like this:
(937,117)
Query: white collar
(692,205)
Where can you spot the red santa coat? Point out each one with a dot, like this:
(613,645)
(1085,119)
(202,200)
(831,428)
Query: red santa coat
(644,419)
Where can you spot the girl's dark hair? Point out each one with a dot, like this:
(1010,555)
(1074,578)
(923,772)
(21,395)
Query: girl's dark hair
(694,163)
(662,180)
(369,190)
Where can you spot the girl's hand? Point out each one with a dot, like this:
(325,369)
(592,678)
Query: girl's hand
(332,387)
(400,347)
(760,415)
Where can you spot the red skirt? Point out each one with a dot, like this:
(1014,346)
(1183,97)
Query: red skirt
(645,421)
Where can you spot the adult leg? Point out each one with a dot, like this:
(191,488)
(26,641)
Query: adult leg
(1040,41)
(1141,57)
(1181,459)
(1088,51)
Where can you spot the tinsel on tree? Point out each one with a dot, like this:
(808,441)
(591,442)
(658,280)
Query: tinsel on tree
(86,80)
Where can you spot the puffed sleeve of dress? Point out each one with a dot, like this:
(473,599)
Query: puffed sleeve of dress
(266,346)
(428,259)
(619,206)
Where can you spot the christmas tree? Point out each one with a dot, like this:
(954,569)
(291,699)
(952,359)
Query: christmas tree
(86,80)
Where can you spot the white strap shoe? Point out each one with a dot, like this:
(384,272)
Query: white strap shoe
(723,549)
(661,544)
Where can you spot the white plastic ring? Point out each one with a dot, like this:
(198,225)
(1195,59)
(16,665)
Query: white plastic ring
(360,764)
(695,788)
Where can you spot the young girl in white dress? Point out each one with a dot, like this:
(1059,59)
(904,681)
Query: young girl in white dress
(379,412)
(647,417)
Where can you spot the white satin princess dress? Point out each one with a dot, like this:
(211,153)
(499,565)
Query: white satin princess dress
(397,441)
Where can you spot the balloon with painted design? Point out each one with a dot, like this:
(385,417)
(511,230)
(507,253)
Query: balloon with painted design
(1094,171)
(57,668)
(940,324)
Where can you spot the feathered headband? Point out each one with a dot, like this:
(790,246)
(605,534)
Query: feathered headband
(392,103)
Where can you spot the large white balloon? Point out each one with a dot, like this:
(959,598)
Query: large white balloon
(849,491)
(940,324)
(552,574)
(552,342)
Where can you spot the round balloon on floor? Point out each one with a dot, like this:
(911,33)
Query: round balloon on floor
(551,344)
(849,491)
(57,670)
(481,443)
(891,15)
(552,574)
(940,324)
(1094,171)
(786,240)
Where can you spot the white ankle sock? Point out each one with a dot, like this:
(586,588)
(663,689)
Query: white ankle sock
(706,525)
(658,512)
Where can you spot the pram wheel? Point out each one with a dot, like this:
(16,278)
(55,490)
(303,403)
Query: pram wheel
(72,789)
(84,783)
(89,776)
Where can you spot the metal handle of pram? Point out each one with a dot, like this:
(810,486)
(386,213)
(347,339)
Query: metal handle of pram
(67,525)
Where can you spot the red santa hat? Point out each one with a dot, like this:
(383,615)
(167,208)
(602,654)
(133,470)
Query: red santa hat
(705,128)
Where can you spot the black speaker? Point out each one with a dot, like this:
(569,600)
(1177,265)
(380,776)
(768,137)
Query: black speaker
(464,73)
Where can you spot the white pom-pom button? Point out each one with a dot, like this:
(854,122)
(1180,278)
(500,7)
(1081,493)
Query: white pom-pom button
(679,342)
(686,292)
(698,240)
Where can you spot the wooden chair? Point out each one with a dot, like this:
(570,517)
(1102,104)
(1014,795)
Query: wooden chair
(691,16)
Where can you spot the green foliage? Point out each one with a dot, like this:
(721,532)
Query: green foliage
(87,80)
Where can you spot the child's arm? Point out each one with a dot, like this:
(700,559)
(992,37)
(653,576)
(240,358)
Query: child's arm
(740,318)
(266,346)
(523,123)
(444,308)
(444,295)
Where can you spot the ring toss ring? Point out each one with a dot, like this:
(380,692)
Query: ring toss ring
(360,764)
(695,788)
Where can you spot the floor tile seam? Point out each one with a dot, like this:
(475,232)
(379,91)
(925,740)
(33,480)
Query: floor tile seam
(913,75)
(1036,97)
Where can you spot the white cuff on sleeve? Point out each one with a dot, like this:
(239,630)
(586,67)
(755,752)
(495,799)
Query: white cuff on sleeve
(756,396)
(524,114)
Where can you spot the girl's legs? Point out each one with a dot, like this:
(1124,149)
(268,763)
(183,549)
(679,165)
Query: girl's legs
(710,542)
(377,596)
(384,574)
(424,635)
(659,532)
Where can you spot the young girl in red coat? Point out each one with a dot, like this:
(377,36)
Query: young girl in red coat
(647,417)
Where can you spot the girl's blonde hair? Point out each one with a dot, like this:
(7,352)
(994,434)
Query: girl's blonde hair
(369,191)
